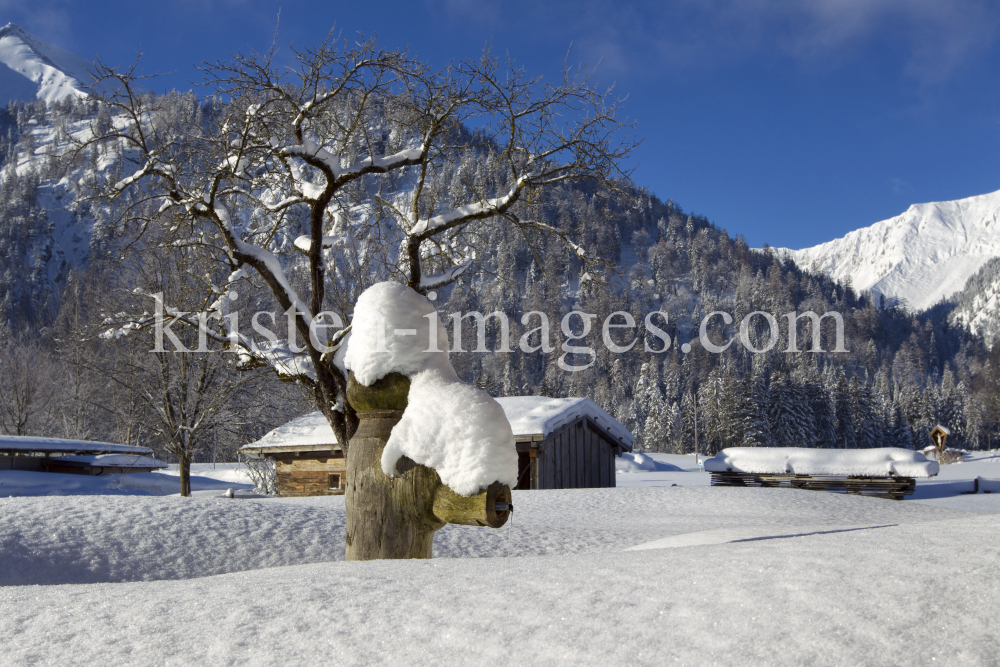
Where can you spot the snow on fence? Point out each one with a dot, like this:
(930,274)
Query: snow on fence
(881,462)
(887,472)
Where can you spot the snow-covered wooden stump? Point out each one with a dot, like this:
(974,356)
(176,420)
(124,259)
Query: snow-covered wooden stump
(395,517)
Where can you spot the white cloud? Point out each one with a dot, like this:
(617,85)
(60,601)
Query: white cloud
(937,35)
(932,38)
(900,187)
(49,20)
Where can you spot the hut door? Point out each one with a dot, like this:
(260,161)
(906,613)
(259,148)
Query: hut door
(524,460)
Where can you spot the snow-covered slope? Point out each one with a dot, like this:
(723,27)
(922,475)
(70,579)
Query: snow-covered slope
(36,70)
(925,254)
(977,306)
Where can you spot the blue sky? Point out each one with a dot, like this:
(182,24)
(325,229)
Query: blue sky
(789,122)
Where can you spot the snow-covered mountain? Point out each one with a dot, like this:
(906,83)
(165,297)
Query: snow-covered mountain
(47,227)
(33,69)
(978,305)
(920,257)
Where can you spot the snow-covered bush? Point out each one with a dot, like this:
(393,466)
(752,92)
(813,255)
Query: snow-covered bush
(263,473)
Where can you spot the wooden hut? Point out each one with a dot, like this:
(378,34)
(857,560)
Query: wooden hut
(308,460)
(564,443)
(78,457)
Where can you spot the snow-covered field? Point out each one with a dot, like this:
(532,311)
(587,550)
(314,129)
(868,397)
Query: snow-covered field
(648,573)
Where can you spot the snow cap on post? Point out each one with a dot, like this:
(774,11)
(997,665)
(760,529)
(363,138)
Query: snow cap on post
(391,333)
(456,429)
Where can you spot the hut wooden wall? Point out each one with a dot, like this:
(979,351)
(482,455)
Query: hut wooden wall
(310,477)
(576,457)
(33,463)
(53,464)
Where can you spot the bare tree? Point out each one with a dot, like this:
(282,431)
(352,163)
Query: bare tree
(188,399)
(183,402)
(361,160)
(124,403)
(78,396)
(26,387)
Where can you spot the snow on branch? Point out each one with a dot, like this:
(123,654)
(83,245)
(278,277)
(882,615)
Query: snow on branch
(263,260)
(286,363)
(447,276)
(475,211)
(303,243)
(372,164)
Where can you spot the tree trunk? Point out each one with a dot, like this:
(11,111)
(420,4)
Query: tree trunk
(184,465)
(387,517)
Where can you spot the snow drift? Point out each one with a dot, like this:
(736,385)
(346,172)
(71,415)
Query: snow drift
(25,483)
(630,462)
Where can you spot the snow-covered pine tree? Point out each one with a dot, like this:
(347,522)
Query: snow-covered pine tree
(756,426)
(900,434)
(846,434)
(647,399)
(791,419)
(820,404)
(867,429)
(656,430)
(950,411)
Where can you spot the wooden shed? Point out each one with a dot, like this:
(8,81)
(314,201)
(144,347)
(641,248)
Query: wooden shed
(308,460)
(78,457)
(564,443)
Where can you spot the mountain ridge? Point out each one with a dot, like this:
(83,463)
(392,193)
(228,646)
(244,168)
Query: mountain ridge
(920,257)
(977,306)
(36,70)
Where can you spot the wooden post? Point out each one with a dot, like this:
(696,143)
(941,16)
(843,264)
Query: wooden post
(395,517)
(477,510)
(694,402)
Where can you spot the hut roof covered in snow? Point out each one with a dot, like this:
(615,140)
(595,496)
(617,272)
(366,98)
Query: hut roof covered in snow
(311,432)
(116,461)
(529,417)
(539,416)
(18,444)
